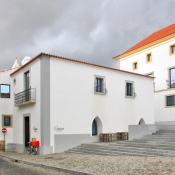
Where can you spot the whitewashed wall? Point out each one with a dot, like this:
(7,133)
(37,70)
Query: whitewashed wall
(6,105)
(74,104)
(161,62)
(163,113)
(32,109)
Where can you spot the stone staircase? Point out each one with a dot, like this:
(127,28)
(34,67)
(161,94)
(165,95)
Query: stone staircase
(161,143)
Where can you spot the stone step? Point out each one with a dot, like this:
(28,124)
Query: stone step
(117,148)
(159,136)
(161,143)
(167,131)
(132,144)
(122,152)
(134,147)
(155,139)
(144,140)
(147,146)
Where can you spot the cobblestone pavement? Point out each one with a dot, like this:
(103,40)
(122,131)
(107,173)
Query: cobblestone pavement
(104,165)
(8,167)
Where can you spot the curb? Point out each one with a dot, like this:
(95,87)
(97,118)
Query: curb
(46,166)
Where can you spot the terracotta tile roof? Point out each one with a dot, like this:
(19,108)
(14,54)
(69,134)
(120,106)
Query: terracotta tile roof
(153,37)
(5,70)
(69,59)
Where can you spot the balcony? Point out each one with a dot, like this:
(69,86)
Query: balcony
(170,84)
(100,89)
(25,97)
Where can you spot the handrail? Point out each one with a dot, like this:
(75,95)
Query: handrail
(25,96)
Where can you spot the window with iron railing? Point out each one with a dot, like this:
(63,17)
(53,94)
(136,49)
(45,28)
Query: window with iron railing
(100,85)
(129,89)
(172,78)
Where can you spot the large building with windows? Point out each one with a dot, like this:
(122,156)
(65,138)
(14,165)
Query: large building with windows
(155,56)
(64,102)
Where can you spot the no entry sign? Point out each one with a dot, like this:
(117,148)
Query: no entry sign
(4,130)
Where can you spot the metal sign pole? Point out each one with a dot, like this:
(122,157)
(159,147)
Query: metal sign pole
(4,141)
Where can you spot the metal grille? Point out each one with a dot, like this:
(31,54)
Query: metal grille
(25,96)
(100,89)
(172,84)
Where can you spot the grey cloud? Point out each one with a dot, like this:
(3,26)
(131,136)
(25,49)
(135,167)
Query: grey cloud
(92,31)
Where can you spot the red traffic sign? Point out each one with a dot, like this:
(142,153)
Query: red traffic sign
(4,130)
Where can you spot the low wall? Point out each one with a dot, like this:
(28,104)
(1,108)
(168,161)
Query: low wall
(68,141)
(165,123)
(138,131)
(2,145)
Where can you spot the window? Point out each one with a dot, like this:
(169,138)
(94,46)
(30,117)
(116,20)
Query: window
(27,85)
(170,100)
(135,66)
(6,120)
(172,77)
(99,87)
(148,58)
(26,77)
(94,128)
(129,89)
(5,91)
(151,74)
(172,49)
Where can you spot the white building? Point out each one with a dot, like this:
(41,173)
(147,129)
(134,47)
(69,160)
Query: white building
(155,56)
(64,102)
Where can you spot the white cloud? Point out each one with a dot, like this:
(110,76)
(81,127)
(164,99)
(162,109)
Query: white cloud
(92,31)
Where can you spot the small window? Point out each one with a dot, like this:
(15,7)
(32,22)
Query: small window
(151,74)
(170,100)
(172,77)
(94,128)
(5,91)
(129,89)
(149,58)
(99,86)
(172,49)
(6,120)
(135,66)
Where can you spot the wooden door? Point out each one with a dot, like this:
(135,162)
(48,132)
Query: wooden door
(27,130)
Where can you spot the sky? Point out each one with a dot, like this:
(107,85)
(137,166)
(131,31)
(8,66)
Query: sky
(88,30)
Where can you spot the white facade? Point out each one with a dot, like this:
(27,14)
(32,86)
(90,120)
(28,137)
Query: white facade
(67,103)
(162,60)
(6,104)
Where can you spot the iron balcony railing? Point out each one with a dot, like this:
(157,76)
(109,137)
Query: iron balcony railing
(100,89)
(27,96)
(172,84)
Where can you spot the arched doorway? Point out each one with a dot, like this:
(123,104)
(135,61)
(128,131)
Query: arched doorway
(97,126)
(141,122)
(94,128)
